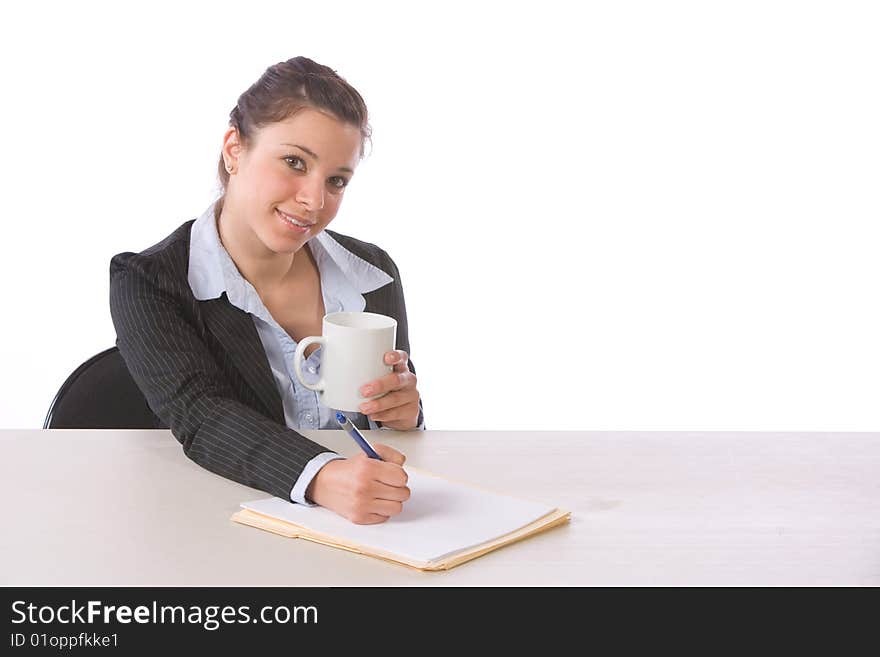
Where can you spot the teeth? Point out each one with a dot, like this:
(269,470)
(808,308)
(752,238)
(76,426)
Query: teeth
(292,221)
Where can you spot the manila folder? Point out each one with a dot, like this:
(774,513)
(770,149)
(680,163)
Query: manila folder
(443,524)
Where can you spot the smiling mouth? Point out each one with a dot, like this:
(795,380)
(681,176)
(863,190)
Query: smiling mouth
(293,221)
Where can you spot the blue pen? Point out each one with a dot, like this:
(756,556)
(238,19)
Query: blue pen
(355,433)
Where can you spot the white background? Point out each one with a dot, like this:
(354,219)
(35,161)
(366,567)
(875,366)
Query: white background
(616,215)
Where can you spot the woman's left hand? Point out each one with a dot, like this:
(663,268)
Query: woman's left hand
(399,408)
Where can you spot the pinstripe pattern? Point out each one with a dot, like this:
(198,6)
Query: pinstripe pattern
(203,370)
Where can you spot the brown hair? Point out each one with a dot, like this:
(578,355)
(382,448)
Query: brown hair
(287,88)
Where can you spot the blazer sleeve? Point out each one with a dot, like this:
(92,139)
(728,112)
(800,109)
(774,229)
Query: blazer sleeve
(398,304)
(185,387)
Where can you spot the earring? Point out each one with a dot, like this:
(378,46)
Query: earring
(229,168)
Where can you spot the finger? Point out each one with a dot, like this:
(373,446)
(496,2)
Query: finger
(409,412)
(386,480)
(389,454)
(370,519)
(391,474)
(392,493)
(389,401)
(386,507)
(397,381)
(398,356)
(394,381)
(379,386)
(400,377)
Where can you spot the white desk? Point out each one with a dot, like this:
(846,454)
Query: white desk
(128,508)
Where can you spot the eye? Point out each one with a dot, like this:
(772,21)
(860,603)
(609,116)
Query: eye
(340,182)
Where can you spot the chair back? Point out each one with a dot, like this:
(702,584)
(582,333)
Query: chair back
(100,394)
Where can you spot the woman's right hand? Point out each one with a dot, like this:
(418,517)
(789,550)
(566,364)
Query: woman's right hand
(364,490)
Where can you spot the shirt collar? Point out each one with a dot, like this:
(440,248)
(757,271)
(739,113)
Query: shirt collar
(345,277)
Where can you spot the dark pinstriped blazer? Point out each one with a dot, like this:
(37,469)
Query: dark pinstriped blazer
(202,367)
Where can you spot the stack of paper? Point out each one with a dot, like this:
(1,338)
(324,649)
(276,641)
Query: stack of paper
(443,524)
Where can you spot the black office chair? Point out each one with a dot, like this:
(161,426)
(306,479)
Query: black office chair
(100,394)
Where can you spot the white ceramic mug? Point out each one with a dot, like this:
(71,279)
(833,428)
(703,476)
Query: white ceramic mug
(353,354)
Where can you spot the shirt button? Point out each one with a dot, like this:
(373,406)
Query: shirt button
(312,369)
(308,417)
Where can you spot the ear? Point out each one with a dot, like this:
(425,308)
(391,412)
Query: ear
(231,146)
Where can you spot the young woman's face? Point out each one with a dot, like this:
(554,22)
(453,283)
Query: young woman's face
(296,168)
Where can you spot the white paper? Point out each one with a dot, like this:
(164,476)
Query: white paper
(440,518)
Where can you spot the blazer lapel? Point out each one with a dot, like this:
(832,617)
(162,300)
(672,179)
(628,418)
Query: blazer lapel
(235,330)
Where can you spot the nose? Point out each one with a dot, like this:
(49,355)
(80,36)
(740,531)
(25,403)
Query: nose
(311,194)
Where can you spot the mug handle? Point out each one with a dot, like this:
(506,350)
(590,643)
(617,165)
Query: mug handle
(298,359)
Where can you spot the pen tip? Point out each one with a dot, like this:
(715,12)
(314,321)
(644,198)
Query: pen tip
(340,417)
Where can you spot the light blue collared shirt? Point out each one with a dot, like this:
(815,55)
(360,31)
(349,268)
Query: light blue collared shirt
(345,277)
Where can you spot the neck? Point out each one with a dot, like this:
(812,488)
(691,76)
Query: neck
(261,267)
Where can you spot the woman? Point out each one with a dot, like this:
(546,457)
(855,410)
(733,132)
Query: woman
(208,319)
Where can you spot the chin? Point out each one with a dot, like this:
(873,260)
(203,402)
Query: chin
(287,246)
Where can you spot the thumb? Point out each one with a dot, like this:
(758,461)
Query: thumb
(389,454)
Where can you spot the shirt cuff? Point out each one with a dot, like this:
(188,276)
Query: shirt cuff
(298,492)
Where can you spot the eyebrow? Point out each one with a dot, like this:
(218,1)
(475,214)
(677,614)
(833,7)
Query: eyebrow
(315,156)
